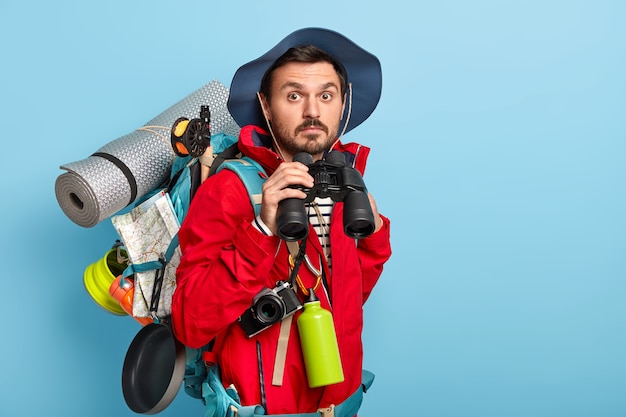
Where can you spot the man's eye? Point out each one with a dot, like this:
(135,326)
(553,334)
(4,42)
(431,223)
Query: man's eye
(293,96)
(326,96)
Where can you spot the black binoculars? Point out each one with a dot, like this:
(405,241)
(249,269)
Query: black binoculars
(335,179)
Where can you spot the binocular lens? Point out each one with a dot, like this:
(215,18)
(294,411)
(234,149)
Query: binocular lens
(358,218)
(359,229)
(293,231)
(292,220)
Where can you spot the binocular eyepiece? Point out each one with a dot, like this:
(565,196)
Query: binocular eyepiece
(335,179)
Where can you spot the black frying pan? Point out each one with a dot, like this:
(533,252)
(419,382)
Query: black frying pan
(153,370)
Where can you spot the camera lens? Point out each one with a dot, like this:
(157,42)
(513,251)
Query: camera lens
(269,309)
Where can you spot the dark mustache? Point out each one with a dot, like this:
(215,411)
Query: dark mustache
(312,123)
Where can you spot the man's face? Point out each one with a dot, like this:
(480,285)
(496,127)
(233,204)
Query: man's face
(305,107)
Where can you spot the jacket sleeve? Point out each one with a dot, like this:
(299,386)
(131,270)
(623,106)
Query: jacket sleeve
(373,252)
(225,260)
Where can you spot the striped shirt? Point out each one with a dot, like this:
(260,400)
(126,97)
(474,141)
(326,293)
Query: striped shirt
(320,219)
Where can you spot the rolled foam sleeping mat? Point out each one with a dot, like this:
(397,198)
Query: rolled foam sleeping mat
(127,168)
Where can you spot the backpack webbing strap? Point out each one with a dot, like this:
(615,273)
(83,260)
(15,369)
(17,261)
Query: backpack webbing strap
(229,153)
(251,174)
(130,177)
(159,267)
(143,267)
(151,265)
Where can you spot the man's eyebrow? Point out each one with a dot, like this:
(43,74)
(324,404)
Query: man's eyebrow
(291,84)
(329,85)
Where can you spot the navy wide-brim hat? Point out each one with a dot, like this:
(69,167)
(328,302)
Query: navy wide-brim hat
(363,70)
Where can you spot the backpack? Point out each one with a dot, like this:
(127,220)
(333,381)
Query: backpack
(185,178)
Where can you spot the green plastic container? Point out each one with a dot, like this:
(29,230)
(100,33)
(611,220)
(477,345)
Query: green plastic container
(319,344)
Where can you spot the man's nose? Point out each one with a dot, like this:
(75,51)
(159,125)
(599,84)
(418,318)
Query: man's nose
(311,109)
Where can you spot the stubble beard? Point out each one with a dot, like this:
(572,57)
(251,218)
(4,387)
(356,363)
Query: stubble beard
(313,145)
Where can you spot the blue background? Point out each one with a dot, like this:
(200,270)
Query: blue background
(497,151)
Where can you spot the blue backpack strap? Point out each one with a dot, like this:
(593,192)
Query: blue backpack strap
(367,379)
(159,267)
(144,267)
(219,401)
(347,408)
(152,265)
(251,174)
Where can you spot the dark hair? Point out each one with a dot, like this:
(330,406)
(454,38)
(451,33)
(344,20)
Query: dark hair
(304,54)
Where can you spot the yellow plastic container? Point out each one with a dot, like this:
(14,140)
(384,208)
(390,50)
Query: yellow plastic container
(98,278)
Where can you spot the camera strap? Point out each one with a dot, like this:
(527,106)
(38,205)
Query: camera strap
(281,351)
(297,253)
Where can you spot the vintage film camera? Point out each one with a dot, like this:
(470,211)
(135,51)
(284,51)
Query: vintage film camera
(335,179)
(269,306)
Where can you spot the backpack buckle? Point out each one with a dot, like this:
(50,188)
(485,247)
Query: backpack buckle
(327,412)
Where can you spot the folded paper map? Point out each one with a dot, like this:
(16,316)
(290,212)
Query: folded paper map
(146,232)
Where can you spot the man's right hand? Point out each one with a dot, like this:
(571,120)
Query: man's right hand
(277,188)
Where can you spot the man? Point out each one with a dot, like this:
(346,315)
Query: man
(297,97)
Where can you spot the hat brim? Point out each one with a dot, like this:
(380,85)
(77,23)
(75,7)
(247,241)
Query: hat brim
(363,70)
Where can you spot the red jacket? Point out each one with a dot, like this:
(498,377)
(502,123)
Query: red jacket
(226,261)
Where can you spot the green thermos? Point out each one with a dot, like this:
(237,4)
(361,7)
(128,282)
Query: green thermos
(319,344)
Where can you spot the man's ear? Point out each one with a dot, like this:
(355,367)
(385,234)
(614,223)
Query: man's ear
(343,107)
(264,106)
